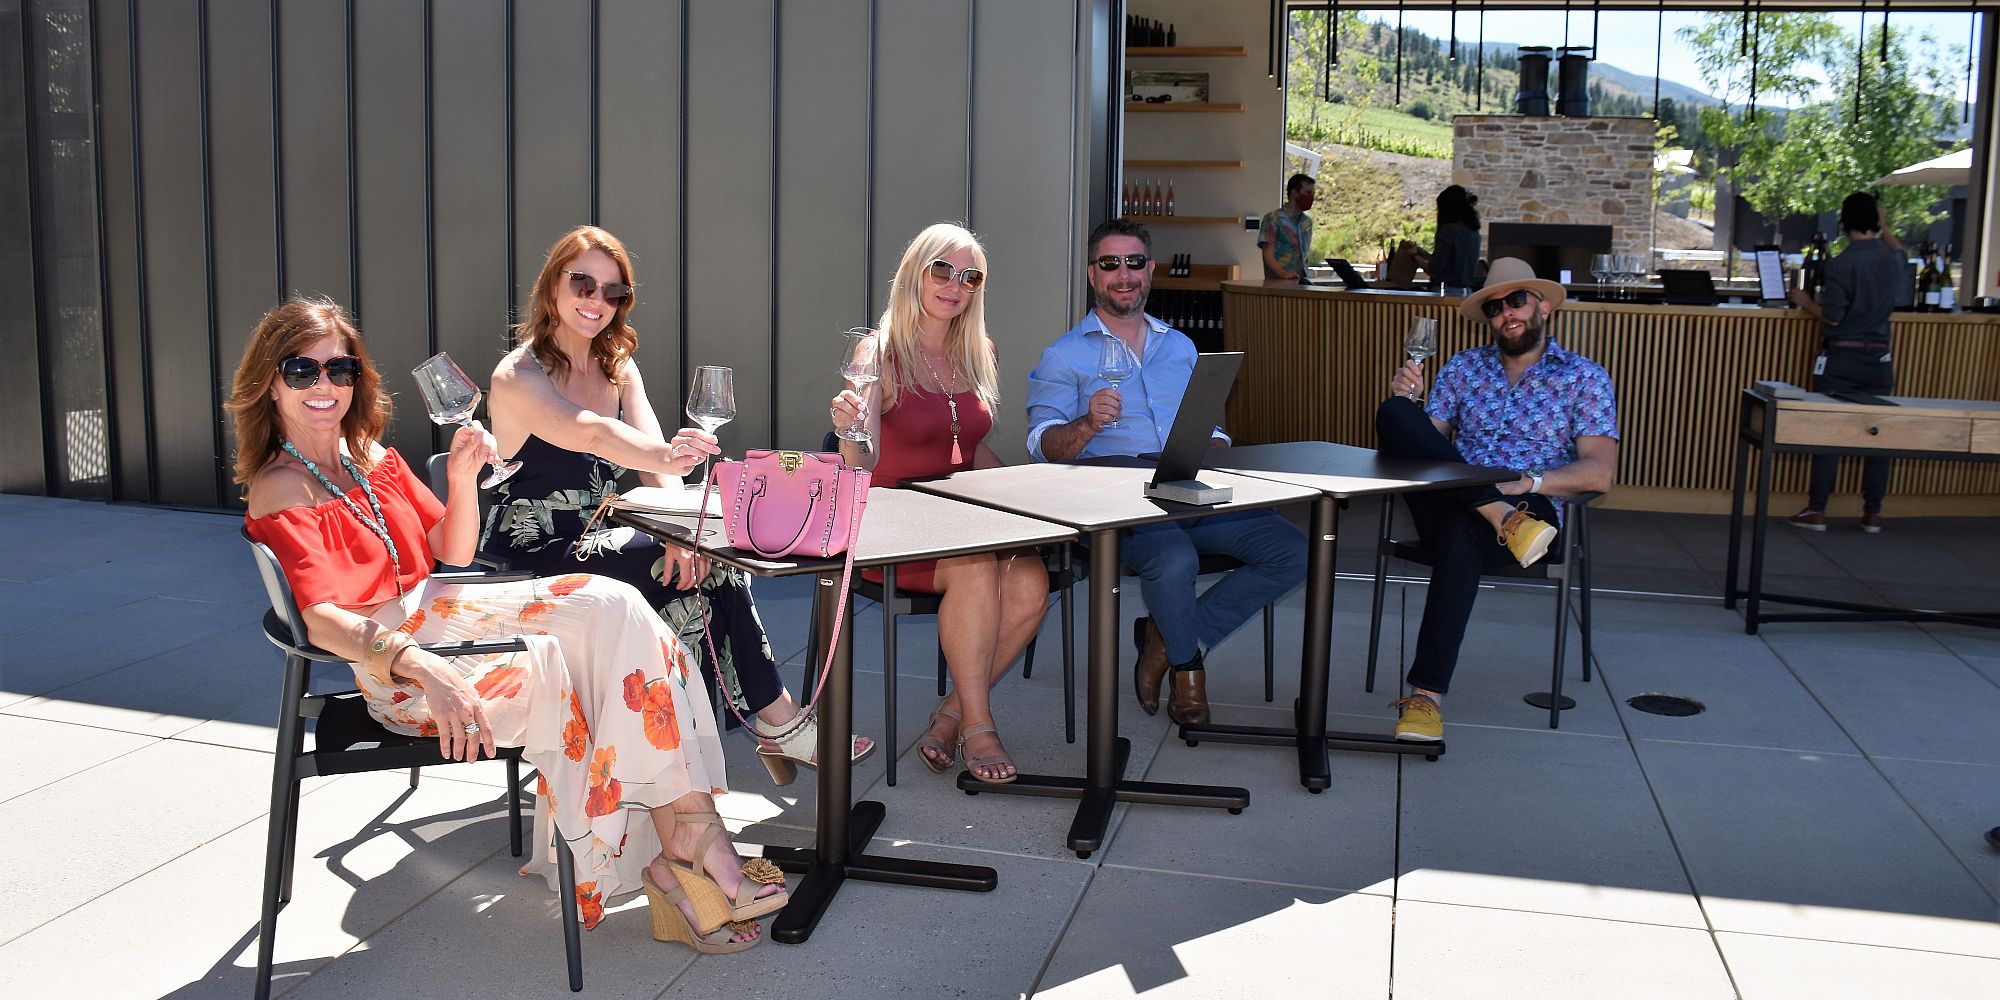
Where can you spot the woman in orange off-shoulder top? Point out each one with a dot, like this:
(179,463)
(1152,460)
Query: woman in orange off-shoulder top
(600,702)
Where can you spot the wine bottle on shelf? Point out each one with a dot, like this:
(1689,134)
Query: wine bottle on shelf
(1927,291)
(1159,34)
(1171,41)
(1947,295)
(1152,198)
(1170,196)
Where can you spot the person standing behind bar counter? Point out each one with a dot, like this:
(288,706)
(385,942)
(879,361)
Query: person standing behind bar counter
(1868,281)
(1286,234)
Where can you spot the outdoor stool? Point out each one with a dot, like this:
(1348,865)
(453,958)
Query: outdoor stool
(1575,561)
(347,740)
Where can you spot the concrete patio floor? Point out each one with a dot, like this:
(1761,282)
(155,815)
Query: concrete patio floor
(1816,832)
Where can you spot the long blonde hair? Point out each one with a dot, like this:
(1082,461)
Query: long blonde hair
(965,341)
(538,332)
(283,332)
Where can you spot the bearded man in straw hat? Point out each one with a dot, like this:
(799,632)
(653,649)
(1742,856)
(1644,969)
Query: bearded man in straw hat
(1521,403)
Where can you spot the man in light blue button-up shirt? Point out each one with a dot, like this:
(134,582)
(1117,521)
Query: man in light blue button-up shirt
(1074,413)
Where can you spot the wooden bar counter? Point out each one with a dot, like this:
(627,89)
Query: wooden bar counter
(1319,360)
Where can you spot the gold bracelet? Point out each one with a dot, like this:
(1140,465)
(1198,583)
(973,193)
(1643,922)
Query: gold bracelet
(374,663)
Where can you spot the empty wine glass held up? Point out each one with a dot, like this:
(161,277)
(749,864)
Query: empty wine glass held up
(452,398)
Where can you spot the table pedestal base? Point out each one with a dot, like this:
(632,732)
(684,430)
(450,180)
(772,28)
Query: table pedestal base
(810,898)
(1540,699)
(1093,815)
(1314,772)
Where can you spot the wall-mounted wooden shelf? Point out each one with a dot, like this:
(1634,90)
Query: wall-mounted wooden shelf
(1201,277)
(1190,220)
(1186,164)
(1192,51)
(1182,107)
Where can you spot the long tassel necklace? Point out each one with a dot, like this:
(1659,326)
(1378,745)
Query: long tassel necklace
(950,397)
(376,524)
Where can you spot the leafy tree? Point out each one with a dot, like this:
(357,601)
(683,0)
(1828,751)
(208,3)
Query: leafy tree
(1806,158)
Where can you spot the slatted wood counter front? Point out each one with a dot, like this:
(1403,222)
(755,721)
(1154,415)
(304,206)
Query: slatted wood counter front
(1319,362)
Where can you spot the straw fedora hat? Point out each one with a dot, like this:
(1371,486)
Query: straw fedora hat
(1505,275)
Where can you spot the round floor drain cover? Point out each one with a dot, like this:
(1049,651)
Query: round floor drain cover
(1666,704)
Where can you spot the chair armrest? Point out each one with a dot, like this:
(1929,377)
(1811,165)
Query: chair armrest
(474,647)
(491,562)
(1582,500)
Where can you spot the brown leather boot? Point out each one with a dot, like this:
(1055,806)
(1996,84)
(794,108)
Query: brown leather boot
(1188,702)
(1152,665)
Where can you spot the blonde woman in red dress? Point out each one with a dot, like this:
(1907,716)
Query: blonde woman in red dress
(600,701)
(929,415)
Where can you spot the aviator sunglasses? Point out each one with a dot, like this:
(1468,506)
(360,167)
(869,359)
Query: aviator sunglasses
(1513,300)
(971,277)
(303,372)
(1133,261)
(585,286)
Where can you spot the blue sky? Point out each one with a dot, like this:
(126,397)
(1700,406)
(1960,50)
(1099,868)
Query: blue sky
(1626,38)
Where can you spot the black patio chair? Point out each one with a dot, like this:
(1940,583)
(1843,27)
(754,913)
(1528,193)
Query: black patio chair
(1574,561)
(347,740)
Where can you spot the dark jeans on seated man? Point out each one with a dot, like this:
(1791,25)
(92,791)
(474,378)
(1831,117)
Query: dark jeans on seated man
(1462,542)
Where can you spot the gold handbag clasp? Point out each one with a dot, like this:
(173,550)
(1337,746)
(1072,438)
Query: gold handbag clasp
(790,460)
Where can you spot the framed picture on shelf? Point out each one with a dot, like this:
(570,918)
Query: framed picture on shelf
(1166,86)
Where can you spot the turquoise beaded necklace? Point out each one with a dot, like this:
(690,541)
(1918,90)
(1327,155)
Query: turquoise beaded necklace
(375,524)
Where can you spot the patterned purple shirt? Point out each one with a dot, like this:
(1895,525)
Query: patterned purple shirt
(1530,426)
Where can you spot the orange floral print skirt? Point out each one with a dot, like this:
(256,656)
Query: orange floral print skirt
(605,704)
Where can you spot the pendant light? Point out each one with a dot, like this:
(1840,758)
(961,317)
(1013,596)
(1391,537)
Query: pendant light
(1332,46)
(1743,40)
(1596,11)
(1271,58)
(1659,47)
(1756,40)
(1885,35)
(1860,61)
(1479,72)
(1565,25)
(1453,57)
(1399,51)
(1971,46)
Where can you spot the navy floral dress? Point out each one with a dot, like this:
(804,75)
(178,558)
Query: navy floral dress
(537,523)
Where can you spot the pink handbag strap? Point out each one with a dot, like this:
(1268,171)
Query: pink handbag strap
(805,715)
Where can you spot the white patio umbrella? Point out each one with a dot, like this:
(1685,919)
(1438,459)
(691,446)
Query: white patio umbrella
(1944,171)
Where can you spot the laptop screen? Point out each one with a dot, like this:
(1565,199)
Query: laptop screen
(1201,411)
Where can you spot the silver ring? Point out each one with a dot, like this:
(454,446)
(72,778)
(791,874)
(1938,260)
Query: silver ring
(472,729)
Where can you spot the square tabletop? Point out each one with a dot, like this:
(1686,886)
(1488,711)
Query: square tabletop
(898,526)
(1101,494)
(1342,471)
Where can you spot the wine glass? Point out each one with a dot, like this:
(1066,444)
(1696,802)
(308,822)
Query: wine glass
(1600,265)
(1114,365)
(861,366)
(451,397)
(1420,342)
(711,401)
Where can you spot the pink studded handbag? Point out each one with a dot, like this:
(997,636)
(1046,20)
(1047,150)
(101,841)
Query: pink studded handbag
(791,503)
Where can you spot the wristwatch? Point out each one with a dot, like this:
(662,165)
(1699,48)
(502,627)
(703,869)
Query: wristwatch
(1534,480)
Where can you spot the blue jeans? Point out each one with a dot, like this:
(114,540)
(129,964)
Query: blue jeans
(1166,557)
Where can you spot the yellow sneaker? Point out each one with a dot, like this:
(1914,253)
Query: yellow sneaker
(1526,536)
(1421,722)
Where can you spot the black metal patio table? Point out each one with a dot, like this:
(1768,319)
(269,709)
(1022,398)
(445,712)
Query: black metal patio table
(1337,473)
(898,526)
(1102,498)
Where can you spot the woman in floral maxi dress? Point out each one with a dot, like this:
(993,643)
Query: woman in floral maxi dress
(600,701)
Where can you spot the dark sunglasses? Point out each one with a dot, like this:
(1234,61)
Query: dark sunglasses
(303,373)
(1513,300)
(585,286)
(971,277)
(1110,262)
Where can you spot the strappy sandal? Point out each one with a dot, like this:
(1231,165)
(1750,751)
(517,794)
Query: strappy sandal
(799,748)
(713,907)
(949,755)
(973,764)
(670,924)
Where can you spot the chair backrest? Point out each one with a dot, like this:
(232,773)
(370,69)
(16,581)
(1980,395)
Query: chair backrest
(283,605)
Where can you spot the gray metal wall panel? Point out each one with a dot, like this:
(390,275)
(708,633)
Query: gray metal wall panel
(639,177)
(1023,88)
(245,207)
(184,395)
(729,210)
(121,249)
(389,169)
(21,449)
(823,188)
(552,47)
(312,55)
(469,150)
(920,107)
